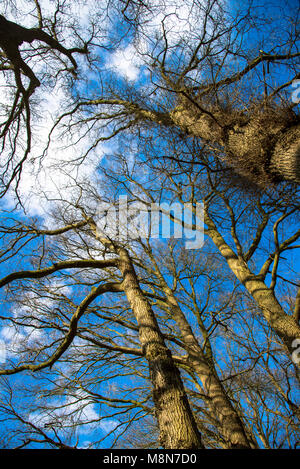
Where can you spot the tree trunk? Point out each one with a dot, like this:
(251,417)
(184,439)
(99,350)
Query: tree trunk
(177,426)
(285,160)
(265,148)
(283,325)
(231,425)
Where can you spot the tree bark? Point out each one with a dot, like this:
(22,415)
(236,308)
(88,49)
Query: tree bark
(264,147)
(232,428)
(177,426)
(285,160)
(231,425)
(283,325)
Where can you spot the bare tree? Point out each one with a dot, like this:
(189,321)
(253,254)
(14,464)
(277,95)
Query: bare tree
(20,50)
(168,391)
(201,88)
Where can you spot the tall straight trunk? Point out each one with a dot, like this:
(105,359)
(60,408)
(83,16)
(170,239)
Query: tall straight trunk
(285,326)
(265,147)
(231,426)
(176,422)
(177,426)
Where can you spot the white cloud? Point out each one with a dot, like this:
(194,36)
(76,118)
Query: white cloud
(86,445)
(72,409)
(126,62)
(54,177)
(2,351)
(13,339)
(108,425)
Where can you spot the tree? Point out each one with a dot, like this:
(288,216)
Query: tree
(264,214)
(200,86)
(168,392)
(18,105)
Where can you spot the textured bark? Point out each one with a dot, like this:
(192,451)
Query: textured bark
(231,425)
(285,160)
(177,426)
(264,147)
(283,325)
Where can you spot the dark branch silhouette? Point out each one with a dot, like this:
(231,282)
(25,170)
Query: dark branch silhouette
(12,36)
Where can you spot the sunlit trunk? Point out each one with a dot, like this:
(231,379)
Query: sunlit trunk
(177,426)
(265,148)
(231,425)
(284,325)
